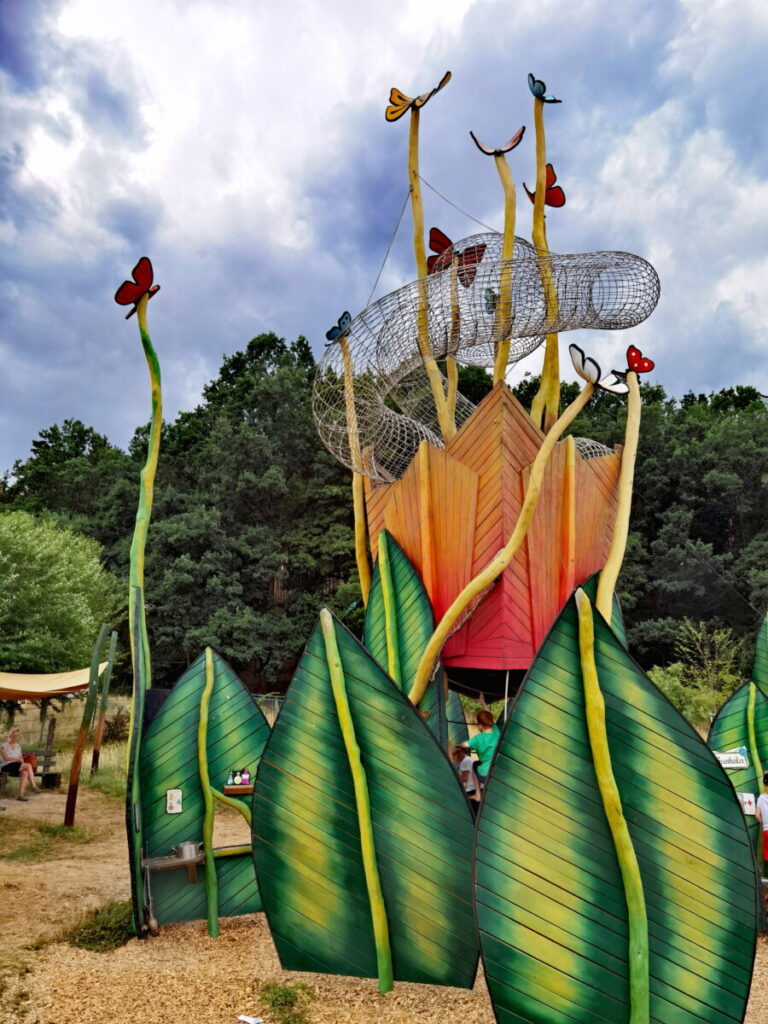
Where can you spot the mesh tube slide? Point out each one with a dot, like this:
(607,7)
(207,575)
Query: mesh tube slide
(392,397)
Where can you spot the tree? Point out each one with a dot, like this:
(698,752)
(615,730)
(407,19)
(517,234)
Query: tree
(54,595)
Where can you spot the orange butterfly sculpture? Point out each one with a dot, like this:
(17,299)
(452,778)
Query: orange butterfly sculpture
(554,195)
(467,260)
(399,103)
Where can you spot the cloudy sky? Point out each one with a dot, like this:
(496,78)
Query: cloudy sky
(242,146)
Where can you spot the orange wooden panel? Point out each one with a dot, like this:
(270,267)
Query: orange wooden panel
(474,490)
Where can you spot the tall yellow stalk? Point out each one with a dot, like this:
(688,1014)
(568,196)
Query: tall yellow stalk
(594,704)
(501,336)
(547,401)
(502,559)
(358,493)
(612,568)
(447,425)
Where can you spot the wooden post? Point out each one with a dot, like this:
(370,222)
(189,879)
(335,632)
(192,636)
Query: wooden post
(103,701)
(82,736)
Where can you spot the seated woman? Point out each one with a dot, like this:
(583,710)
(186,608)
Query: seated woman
(12,763)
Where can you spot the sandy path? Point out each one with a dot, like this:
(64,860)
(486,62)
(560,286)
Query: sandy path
(182,975)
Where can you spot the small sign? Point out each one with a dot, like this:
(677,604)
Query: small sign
(736,758)
(747,801)
(173,801)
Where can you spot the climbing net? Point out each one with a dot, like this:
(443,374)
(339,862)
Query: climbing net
(372,401)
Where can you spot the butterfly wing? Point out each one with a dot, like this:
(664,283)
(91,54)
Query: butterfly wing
(421,100)
(551,177)
(468,261)
(637,361)
(491,300)
(554,196)
(481,145)
(398,104)
(586,367)
(614,382)
(536,86)
(531,195)
(548,98)
(514,141)
(439,241)
(345,320)
(440,244)
(130,292)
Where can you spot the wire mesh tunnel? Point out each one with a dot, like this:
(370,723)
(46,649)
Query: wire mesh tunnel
(372,400)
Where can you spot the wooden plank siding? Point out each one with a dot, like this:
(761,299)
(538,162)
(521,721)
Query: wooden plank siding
(475,490)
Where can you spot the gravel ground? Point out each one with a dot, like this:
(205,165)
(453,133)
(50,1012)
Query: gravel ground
(182,975)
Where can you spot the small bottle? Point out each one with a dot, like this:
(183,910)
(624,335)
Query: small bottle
(238,778)
(230,778)
(246,777)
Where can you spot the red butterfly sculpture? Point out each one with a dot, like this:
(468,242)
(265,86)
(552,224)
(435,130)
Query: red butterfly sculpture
(130,292)
(637,361)
(467,259)
(554,195)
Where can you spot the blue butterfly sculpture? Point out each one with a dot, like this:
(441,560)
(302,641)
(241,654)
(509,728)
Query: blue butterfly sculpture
(539,90)
(340,328)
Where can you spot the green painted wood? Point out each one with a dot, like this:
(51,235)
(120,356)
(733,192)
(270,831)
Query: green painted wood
(730,731)
(413,624)
(550,900)
(237,733)
(446,719)
(306,836)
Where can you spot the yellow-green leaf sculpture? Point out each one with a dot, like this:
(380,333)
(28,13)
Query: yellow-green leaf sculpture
(608,825)
(362,836)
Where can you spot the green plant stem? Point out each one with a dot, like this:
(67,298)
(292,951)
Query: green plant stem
(639,978)
(140,659)
(232,801)
(390,613)
(362,800)
(211,880)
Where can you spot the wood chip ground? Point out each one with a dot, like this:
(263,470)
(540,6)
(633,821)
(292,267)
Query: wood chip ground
(182,975)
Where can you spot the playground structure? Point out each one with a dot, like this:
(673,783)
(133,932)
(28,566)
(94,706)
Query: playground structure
(611,876)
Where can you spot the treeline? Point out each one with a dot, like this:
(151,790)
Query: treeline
(252,523)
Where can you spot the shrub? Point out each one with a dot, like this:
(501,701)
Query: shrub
(105,929)
(287,1003)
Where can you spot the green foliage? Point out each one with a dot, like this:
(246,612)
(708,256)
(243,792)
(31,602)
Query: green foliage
(252,523)
(287,1003)
(706,673)
(105,929)
(54,595)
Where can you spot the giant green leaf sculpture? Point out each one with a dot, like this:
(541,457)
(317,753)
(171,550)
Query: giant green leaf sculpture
(208,725)
(741,724)
(362,836)
(614,880)
(398,625)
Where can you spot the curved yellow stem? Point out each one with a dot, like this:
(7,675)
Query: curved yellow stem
(504,305)
(612,567)
(547,400)
(502,559)
(639,979)
(234,803)
(362,801)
